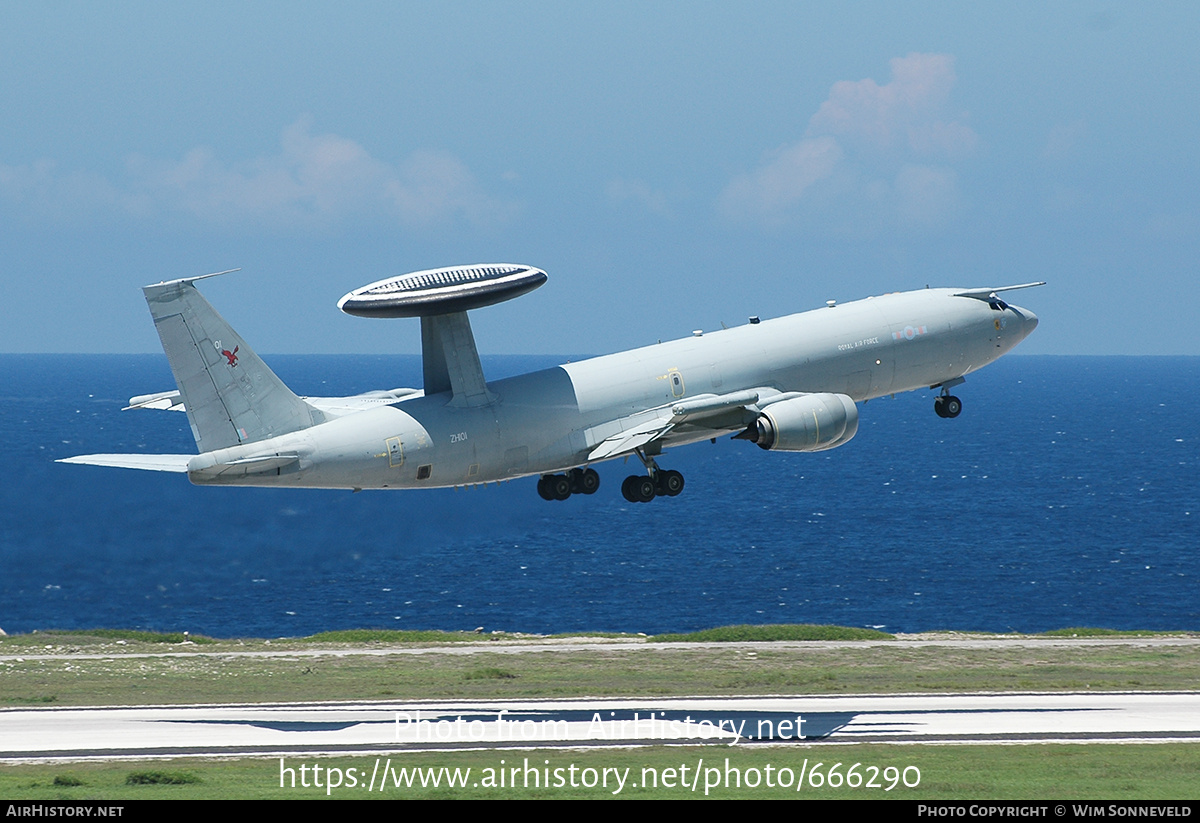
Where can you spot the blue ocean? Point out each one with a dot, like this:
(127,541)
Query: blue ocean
(1066,494)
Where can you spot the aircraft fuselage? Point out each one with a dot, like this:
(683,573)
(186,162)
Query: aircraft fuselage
(553,420)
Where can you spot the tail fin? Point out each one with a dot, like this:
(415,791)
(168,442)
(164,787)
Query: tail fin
(230,395)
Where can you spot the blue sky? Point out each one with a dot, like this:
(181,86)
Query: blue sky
(672,166)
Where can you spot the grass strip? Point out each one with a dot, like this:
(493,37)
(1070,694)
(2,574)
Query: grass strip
(770,633)
(616,670)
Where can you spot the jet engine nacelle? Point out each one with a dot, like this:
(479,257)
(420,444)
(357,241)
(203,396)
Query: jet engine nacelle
(811,423)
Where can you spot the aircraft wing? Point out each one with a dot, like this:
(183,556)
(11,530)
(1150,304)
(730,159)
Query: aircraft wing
(627,434)
(631,433)
(151,462)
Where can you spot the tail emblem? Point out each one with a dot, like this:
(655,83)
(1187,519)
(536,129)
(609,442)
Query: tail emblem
(231,356)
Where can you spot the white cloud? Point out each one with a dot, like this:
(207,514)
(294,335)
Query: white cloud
(40,187)
(908,113)
(313,182)
(768,193)
(435,187)
(637,191)
(925,196)
(884,149)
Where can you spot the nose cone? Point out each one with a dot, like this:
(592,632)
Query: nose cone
(1027,322)
(1030,321)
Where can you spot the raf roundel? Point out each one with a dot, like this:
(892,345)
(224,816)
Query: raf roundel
(442,291)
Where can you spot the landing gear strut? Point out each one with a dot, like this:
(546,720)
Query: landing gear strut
(656,482)
(562,486)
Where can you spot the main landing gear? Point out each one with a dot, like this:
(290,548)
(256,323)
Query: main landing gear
(562,486)
(637,488)
(655,483)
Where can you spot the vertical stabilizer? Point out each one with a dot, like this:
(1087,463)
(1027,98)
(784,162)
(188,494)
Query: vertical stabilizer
(230,395)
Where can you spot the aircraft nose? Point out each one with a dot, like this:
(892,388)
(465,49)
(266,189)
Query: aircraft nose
(1030,321)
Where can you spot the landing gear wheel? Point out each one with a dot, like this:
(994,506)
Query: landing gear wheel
(589,481)
(627,491)
(670,483)
(947,406)
(559,486)
(554,487)
(638,489)
(643,489)
(584,481)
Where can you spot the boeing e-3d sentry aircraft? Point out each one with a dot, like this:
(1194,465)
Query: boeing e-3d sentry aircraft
(786,384)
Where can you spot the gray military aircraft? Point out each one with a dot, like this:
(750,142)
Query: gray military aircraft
(786,384)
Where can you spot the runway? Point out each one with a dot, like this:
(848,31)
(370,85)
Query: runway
(398,726)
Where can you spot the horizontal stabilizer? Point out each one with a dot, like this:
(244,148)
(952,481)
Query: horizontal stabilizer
(149,462)
(169,400)
(331,406)
(246,465)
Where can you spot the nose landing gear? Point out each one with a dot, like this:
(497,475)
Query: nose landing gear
(947,406)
